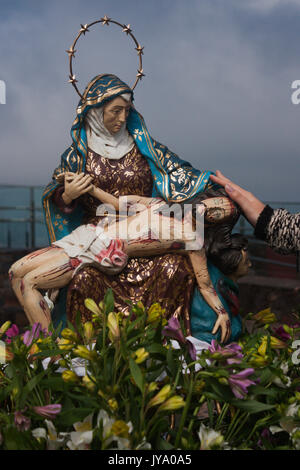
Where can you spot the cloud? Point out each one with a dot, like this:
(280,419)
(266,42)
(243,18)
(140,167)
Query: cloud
(265,6)
(217,87)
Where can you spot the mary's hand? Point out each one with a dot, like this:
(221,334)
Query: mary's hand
(76,184)
(223,322)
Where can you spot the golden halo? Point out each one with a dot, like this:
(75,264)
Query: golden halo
(105,21)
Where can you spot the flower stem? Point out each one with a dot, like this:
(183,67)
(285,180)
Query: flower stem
(184,413)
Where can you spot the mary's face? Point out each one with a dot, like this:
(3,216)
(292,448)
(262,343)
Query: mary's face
(115,114)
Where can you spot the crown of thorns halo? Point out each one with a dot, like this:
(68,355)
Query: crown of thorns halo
(105,21)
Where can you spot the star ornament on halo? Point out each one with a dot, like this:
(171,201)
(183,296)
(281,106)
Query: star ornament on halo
(126,29)
(105,20)
(72,79)
(84,28)
(139,50)
(140,74)
(71,52)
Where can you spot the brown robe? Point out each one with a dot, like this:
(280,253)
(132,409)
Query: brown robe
(166,279)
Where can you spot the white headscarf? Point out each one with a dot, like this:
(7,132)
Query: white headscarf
(101,141)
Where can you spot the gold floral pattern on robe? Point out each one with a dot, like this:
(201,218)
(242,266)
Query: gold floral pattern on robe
(166,279)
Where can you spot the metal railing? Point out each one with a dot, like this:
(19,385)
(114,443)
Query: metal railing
(28,217)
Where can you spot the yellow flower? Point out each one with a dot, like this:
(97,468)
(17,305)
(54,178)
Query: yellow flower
(287,329)
(265,316)
(258,361)
(113,404)
(88,330)
(173,403)
(84,352)
(101,394)
(277,343)
(160,397)
(89,383)
(69,334)
(113,326)
(152,387)
(263,347)
(120,428)
(5,353)
(69,376)
(155,312)
(65,344)
(91,305)
(34,349)
(5,327)
(63,363)
(141,355)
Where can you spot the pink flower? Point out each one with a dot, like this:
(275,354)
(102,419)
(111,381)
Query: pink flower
(173,330)
(48,411)
(22,422)
(11,332)
(30,335)
(232,353)
(239,383)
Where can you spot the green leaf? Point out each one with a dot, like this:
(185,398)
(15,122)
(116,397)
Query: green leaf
(156,349)
(222,392)
(170,362)
(259,390)
(251,406)
(109,301)
(30,386)
(73,415)
(136,374)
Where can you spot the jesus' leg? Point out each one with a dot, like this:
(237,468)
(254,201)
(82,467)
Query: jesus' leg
(43,269)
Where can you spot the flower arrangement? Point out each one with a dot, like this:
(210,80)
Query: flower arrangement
(138,382)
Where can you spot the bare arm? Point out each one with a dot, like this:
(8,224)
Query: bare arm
(104,197)
(250,205)
(199,263)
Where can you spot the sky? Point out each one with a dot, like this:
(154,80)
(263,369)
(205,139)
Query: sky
(217,86)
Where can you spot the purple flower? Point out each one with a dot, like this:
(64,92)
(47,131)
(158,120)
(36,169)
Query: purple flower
(239,383)
(30,336)
(48,411)
(11,332)
(282,334)
(191,349)
(173,330)
(22,422)
(266,435)
(232,353)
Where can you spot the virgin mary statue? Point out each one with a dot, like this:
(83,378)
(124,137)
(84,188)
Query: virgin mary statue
(128,161)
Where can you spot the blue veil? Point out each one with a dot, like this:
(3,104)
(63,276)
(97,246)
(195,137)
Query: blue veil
(174,180)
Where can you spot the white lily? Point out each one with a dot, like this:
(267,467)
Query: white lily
(210,439)
(83,434)
(108,436)
(296,438)
(54,440)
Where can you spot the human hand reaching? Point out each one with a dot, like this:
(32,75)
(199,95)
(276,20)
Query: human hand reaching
(249,204)
(76,184)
